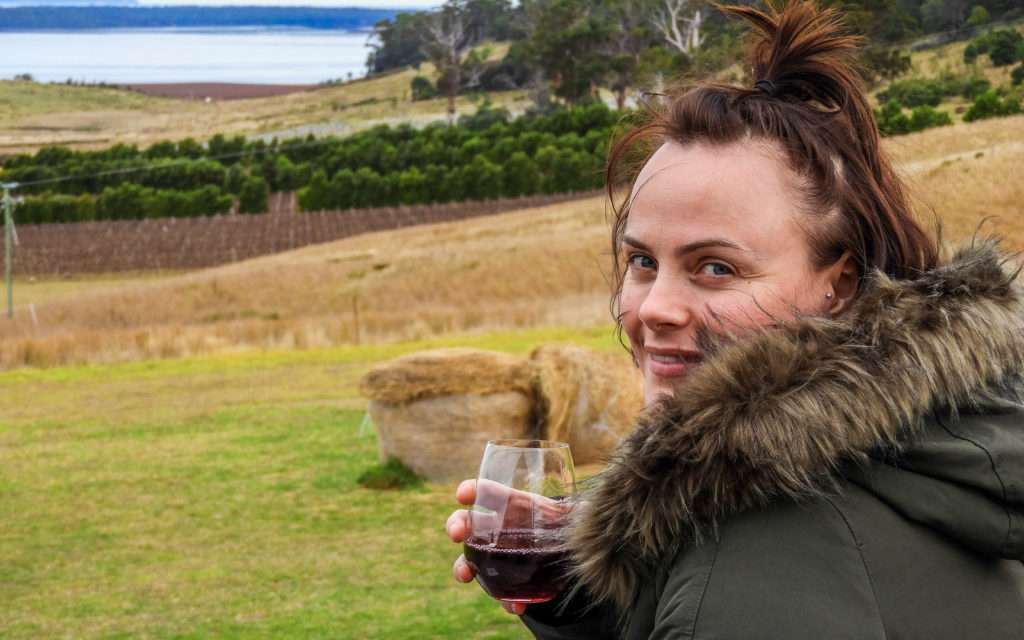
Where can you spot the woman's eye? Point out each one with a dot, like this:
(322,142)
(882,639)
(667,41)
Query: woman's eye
(642,262)
(716,269)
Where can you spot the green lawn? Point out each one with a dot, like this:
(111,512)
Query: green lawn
(217,497)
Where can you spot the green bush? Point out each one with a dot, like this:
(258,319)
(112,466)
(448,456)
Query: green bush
(422,88)
(978,16)
(252,198)
(1003,47)
(925,117)
(971,53)
(989,105)
(893,121)
(914,92)
(973,87)
(1017,75)
(393,474)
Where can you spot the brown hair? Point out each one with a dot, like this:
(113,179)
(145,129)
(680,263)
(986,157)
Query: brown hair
(809,102)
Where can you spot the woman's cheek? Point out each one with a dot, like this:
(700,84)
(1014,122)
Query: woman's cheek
(629,305)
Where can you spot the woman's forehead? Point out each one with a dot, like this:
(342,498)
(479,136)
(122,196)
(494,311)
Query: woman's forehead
(744,174)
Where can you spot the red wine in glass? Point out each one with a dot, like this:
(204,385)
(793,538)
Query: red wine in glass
(517,544)
(519,567)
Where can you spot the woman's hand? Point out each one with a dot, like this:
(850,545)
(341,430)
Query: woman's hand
(458,527)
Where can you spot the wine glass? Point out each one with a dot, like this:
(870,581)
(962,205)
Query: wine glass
(517,543)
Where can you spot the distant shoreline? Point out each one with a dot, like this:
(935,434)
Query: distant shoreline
(214,90)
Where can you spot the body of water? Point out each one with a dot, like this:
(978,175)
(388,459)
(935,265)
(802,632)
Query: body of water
(257,56)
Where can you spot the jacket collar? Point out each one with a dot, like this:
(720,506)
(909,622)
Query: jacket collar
(773,415)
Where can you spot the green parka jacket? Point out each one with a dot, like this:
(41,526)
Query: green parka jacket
(852,478)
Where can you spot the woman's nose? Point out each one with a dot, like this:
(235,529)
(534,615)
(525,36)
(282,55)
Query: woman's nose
(665,305)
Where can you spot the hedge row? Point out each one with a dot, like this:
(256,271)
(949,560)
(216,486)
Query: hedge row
(487,156)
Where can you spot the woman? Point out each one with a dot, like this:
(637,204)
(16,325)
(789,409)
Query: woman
(834,440)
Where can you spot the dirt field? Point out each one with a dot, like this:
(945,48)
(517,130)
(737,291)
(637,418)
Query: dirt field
(216,90)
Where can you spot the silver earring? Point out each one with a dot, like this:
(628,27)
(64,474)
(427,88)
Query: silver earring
(829,295)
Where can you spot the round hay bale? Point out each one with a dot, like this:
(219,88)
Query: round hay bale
(445,372)
(444,438)
(585,398)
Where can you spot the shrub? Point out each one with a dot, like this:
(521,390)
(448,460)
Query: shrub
(891,119)
(1003,46)
(252,197)
(971,53)
(988,105)
(422,88)
(914,92)
(1017,75)
(978,16)
(393,474)
(974,87)
(925,117)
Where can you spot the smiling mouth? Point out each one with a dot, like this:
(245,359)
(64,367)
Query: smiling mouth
(677,359)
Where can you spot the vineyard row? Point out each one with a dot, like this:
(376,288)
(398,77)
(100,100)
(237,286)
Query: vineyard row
(195,243)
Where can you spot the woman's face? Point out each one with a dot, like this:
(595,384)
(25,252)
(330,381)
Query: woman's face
(711,240)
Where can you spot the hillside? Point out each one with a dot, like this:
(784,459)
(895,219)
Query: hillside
(537,267)
(34,115)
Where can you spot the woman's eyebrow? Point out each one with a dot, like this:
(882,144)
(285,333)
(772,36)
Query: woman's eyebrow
(689,247)
(636,244)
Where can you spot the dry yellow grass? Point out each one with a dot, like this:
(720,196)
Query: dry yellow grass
(536,267)
(532,268)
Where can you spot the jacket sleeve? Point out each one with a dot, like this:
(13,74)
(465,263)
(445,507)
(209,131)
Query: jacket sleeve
(786,573)
(573,619)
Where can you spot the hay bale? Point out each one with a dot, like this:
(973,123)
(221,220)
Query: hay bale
(585,398)
(445,372)
(435,410)
(444,438)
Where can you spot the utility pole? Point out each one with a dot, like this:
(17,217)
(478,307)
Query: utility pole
(8,232)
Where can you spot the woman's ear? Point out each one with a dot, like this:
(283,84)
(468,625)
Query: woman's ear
(843,279)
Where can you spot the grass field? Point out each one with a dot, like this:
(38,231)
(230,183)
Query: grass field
(216,497)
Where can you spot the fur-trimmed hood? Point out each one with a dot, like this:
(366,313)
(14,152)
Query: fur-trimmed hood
(776,415)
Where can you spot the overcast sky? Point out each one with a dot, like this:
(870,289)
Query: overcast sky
(386,4)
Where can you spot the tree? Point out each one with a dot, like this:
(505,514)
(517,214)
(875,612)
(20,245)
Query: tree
(570,43)
(978,16)
(679,22)
(942,15)
(881,63)
(396,43)
(1003,45)
(446,44)
(252,198)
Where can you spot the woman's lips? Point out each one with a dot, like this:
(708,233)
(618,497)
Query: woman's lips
(672,364)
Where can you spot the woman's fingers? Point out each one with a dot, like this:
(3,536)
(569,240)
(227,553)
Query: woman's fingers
(457,526)
(462,571)
(466,493)
(517,608)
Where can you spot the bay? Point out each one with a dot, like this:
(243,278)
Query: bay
(243,55)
